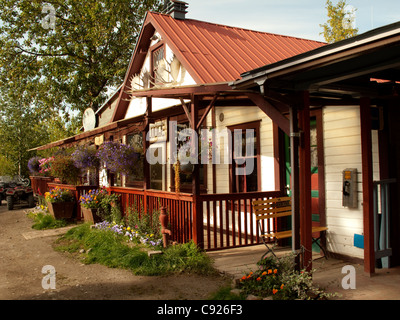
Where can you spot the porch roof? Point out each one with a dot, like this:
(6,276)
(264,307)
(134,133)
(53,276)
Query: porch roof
(350,68)
(217,94)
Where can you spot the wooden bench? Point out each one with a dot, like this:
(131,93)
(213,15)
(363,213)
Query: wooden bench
(278,208)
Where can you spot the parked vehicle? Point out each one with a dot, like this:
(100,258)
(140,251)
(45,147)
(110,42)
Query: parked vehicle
(17,190)
(4,185)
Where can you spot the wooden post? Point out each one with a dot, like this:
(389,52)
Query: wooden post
(197,231)
(146,144)
(305,183)
(294,162)
(367,186)
(166,233)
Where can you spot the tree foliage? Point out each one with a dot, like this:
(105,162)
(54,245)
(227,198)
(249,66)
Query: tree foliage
(50,73)
(340,24)
(86,53)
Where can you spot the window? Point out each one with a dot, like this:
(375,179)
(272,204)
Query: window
(244,172)
(136,141)
(157,167)
(185,176)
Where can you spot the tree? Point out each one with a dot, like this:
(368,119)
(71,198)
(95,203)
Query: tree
(57,58)
(72,51)
(340,24)
(24,126)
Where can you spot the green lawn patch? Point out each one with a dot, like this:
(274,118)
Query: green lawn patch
(117,251)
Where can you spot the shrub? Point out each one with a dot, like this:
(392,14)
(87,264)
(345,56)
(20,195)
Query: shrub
(279,279)
(63,167)
(109,209)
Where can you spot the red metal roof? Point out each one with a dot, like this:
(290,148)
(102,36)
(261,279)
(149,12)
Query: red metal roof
(217,53)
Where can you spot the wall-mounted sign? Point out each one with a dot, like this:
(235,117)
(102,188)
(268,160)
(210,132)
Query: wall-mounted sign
(99,140)
(158,131)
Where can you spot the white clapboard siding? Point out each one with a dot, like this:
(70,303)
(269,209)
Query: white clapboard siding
(239,115)
(342,149)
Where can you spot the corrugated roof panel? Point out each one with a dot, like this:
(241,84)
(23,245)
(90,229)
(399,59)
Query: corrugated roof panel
(223,58)
(217,53)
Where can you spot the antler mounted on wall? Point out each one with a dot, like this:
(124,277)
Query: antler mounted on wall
(167,73)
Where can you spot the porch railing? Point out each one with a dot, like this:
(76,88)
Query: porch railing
(213,221)
(179,208)
(382,220)
(40,184)
(229,221)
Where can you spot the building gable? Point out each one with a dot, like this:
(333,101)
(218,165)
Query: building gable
(209,53)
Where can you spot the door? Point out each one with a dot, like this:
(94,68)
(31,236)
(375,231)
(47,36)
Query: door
(389,168)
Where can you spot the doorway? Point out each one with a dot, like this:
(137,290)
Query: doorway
(389,169)
(317,173)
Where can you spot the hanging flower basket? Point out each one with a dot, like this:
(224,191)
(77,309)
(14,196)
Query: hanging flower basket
(84,157)
(119,158)
(186,168)
(63,167)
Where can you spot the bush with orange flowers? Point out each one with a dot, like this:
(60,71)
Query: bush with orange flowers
(279,279)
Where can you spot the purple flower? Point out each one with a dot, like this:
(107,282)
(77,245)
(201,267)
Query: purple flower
(34,165)
(118,157)
(85,157)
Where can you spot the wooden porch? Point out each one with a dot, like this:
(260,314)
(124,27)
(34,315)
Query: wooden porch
(212,221)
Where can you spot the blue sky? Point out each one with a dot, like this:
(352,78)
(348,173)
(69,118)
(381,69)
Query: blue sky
(299,18)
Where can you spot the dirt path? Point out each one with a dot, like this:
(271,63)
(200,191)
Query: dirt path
(22,260)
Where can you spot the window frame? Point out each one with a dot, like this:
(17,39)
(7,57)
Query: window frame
(232,177)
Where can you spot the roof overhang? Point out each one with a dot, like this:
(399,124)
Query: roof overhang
(342,69)
(82,137)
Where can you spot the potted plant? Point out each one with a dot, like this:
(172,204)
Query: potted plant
(61,203)
(91,203)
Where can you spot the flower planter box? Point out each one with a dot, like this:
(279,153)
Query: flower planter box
(61,210)
(90,215)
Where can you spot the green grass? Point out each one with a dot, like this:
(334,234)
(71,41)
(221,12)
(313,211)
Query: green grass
(224,293)
(110,249)
(44,221)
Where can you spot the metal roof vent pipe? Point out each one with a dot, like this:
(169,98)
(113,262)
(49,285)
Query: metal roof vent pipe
(175,8)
